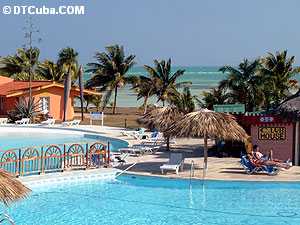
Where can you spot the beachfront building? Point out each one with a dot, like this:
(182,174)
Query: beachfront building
(277,130)
(48,94)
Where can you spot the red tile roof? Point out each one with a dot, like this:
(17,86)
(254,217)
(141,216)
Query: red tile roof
(8,86)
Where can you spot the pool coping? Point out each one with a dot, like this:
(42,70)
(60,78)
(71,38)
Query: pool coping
(72,176)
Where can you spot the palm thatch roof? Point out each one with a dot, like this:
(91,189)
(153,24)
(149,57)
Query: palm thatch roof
(210,124)
(290,107)
(161,118)
(11,189)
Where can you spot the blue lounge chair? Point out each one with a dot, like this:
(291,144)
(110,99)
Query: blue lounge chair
(251,168)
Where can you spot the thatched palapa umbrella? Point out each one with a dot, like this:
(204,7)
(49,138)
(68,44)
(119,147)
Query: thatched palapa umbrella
(161,118)
(208,125)
(11,189)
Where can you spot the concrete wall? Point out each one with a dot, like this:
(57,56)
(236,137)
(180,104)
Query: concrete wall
(282,149)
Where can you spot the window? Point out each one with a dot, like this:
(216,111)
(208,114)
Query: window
(44,104)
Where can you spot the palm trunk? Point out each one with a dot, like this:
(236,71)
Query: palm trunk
(67,89)
(168,143)
(115,100)
(205,156)
(81,90)
(146,103)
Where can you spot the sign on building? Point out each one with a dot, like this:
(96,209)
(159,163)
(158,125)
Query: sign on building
(271,133)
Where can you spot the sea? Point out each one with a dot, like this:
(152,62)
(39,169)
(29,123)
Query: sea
(203,78)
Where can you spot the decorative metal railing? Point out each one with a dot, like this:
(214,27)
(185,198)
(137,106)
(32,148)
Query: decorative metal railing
(55,158)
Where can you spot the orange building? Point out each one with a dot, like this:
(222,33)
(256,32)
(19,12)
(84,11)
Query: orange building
(50,96)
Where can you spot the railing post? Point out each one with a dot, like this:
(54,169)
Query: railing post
(64,157)
(42,160)
(87,155)
(20,163)
(108,153)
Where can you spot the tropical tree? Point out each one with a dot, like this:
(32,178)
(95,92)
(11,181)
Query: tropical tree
(96,101)
(185,101)
(109,72)
(214,97)
(145,87)
(88,101)
(244,84)
(278,72)
(166,81)
(20,65)
(67,61)
(50,71)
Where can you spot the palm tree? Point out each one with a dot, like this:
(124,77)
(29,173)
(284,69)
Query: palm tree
(185,101)
(88,101)
(21,64)
(214,97)
(145,87)
(96,101)
(67,61)
(50,71)
(109,72)
(244,84)
(278,72)
(165,80)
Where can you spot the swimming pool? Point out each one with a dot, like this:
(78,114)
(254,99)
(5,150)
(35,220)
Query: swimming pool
(150,200)
(19,137)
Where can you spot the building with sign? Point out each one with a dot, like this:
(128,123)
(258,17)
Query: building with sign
(277,130)
(271,132)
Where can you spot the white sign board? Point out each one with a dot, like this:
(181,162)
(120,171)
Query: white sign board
(96,116)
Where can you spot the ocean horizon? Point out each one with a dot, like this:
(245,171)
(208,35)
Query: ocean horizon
(203,78)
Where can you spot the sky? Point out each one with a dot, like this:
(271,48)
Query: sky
(191,32)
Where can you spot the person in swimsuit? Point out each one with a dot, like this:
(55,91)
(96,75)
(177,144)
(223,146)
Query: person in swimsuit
(260,159)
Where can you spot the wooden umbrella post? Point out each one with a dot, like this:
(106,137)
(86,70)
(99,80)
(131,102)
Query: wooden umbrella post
(205,156)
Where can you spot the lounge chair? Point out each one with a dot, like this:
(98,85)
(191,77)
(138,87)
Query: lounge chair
(23,121)
(118,159)
(175,163)
(159,140)
(138,150)
(71,123)
(250,168)
(135,134)
(3,121)
(48,122)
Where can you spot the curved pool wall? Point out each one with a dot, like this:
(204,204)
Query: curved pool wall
(21,137)
(142,200)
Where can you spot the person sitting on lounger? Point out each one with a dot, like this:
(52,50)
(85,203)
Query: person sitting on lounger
(266,162)
(260,156)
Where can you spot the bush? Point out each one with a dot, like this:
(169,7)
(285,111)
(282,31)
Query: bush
(25,108)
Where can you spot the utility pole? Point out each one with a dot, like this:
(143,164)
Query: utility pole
(30,29)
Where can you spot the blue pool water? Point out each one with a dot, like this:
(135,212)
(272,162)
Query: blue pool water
(21,139)
(147,200)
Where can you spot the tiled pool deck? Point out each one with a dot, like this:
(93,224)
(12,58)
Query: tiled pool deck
(218,168)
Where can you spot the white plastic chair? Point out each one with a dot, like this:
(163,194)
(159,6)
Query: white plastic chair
(48,122)
(23,121)
(3,121)
(175,163)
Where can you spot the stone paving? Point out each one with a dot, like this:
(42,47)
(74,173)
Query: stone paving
(218,168)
